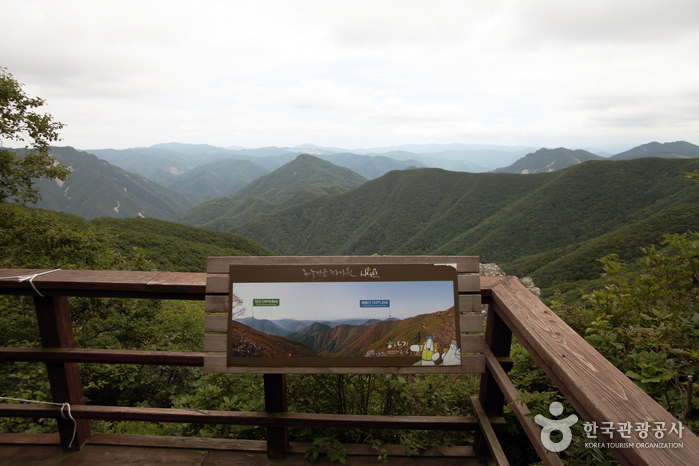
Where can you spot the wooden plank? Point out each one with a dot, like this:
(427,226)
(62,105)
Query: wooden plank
(217,284)
(469,283)
(56,331)
(220,444)
(470,303)
(30,439)
(520,409)
(471,323)
(178,282)
(393,451)
(100,356)
(264,419)
(216,323)
(215,343)
(216,304)
(465,264)
(194,443)
(496,450)
(595,388)
(472,343)
(156,441)
(470,364)
(106,283)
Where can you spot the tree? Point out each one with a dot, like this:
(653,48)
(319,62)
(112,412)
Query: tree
(20,123)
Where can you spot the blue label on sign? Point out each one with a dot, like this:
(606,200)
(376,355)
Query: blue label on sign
(374,303)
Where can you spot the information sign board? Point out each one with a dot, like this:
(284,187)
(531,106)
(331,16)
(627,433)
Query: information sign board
(320,316)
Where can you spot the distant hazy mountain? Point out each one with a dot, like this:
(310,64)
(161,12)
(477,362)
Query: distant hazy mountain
(548,160)
(297,329)
(218,178)
(98,189)
(432,148)
(264,325)
(156,164)
(371,167)
(294,325)
(670,150)
(191,148)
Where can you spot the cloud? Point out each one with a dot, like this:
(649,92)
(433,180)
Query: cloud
(272,72)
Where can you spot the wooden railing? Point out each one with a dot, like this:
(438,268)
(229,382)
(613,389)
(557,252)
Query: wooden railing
(596,389)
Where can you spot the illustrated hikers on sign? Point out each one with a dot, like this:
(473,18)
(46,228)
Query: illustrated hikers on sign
(430,356)
(392,315)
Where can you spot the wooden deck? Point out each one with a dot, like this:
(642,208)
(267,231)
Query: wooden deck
(45,450)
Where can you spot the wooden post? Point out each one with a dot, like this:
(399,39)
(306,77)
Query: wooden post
(55,328)
(275,402)
(499,338)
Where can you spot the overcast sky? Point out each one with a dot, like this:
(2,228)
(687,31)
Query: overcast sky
(341,300)
(607,74)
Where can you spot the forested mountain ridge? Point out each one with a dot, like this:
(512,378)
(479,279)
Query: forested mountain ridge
(500,217)
(170,247)
(575,268)
(300,180)
(97,188)
(304,171)
(175,247)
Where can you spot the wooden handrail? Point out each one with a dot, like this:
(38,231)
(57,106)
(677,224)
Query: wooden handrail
(598,391)
(106,284)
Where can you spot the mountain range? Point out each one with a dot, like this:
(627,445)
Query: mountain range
(551,225)
(211,171)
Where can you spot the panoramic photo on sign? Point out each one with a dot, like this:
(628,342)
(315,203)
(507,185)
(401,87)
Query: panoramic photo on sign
(350,315)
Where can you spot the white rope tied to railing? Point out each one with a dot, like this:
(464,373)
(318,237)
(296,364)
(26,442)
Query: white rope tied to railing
(62,405)
(30,277)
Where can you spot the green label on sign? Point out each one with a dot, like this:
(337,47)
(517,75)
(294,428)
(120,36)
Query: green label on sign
(265,302)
